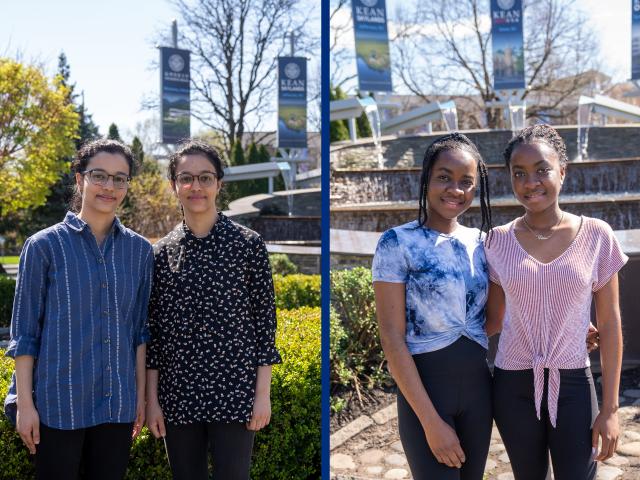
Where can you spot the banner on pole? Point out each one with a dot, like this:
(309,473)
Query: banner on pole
(635,39)
(372,45)
(508,45)
(292,102)
(174,95)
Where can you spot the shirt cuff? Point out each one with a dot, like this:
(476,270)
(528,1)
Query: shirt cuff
(23,345)
(268,356)
(143,337)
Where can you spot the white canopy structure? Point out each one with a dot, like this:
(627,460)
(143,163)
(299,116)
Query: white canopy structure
(421,116)
(607,108)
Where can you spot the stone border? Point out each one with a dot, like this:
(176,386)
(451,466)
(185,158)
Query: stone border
(361,423)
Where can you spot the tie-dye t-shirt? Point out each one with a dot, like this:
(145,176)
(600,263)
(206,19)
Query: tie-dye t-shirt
(446,283)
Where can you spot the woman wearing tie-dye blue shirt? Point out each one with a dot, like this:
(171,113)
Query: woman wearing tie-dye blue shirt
(79,328)
(431,285)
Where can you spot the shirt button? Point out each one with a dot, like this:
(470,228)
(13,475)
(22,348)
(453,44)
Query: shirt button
(100,260)
(107,394)
(105,313)
(104,284)
(106,340)
(108,367)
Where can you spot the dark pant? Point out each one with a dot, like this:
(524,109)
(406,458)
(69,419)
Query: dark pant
(529,441)
(230,445)
(458,383)
(95,453)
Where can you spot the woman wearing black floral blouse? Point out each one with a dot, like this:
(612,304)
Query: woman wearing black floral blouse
(212,322)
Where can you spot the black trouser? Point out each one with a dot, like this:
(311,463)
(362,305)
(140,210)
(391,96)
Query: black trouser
(458,383)
(95,453)
(230,445)
(529,441)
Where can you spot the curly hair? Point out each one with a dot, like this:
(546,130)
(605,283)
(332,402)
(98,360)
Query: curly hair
(94,147)
(90,150)
(534,134)
(195,147)
(454,141)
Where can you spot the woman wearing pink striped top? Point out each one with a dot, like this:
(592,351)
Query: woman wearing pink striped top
(545,267)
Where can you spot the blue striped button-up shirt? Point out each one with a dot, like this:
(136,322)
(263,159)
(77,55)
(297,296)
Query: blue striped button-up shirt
(81,311)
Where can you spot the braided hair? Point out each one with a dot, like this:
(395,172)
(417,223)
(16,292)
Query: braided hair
(538,133)
(454,141)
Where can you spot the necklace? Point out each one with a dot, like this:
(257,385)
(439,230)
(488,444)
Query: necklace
(540,236)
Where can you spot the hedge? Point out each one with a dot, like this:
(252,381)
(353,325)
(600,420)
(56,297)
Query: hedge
(288,448)
(7,290)
(356,355)
(295,291)
(281,264)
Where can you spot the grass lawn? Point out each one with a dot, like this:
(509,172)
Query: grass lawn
(9,260)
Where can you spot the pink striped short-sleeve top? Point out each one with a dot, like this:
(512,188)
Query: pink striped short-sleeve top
(548,304)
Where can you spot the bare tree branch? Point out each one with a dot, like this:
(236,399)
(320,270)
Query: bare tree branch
(235,45)
(444,46)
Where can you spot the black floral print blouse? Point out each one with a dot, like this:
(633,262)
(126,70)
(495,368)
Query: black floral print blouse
(212,322)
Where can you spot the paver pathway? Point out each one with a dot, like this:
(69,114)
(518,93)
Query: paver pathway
(369,448)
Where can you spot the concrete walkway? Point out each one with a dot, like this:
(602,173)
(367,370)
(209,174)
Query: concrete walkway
(369,448)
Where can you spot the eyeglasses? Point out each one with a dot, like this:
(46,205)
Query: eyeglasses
(205,179)
(100,177)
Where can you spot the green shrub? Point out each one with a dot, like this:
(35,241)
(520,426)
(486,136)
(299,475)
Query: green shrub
(7,290)
(356,355)
(281,264)
(290,446)
(295,291)
(16,461)
(148,459)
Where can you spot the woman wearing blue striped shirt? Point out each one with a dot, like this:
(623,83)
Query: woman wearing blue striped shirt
(78,330)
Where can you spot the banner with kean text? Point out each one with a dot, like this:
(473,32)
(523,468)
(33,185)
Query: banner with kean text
(174,95)
(635,39)
(372,45)
(292,102)
(508,44)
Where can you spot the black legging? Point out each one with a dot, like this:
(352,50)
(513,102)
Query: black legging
(97,453)
(458,383)
(230,445)
(529,441)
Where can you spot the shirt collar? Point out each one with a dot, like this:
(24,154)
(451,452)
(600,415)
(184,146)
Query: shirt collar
(76,223)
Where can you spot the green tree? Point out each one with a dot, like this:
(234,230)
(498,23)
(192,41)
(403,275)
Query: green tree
(338,129)
(87,129)
(138,152)
(38,127)
(237,154)
(363,128)
(114,134)
(26,222)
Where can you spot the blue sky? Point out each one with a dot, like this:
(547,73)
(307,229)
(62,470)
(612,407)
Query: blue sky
(611,21)
(110,46)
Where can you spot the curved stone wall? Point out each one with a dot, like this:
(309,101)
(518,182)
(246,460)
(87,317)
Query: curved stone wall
(355,187)
(267,215)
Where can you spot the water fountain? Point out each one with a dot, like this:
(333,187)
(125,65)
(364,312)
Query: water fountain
(366,201)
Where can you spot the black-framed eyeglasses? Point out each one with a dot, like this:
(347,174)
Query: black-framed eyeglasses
(98,176)
(205,179)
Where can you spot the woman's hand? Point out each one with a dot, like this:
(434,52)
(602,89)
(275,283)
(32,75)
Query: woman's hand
(28,426)
(155,419)
(261,414)
(140,416)
(607,428)
(444,443)
(593,338)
